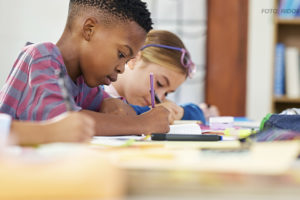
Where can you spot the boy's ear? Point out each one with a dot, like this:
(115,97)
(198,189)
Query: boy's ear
(89,28)
(131,64)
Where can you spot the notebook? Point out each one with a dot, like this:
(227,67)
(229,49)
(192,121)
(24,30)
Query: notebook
(185,129)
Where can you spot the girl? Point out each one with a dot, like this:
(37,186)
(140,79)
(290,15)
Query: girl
(165,55)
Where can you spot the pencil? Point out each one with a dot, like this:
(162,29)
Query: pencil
(152,90)
(64,90)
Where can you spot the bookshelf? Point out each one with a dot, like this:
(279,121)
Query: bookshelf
(287,32)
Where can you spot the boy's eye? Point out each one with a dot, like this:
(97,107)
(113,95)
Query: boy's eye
(121,55)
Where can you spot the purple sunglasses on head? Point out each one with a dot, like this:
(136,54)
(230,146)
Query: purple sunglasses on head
(186,60)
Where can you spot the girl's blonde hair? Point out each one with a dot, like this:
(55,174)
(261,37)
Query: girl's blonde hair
(162,56)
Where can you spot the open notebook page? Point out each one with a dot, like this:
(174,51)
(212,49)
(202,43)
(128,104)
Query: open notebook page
(185,129)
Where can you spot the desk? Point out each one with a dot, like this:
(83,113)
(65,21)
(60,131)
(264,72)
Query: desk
(153,173)
(203,185)
(163,170)
(56,172)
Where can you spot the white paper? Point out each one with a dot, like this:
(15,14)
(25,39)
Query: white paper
(185,129)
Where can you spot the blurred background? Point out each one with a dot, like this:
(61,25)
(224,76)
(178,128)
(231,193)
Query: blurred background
(231,42)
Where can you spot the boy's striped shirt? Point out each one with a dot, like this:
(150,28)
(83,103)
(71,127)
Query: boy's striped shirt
(31,91)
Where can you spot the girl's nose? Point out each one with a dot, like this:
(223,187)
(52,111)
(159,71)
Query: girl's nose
(161,94)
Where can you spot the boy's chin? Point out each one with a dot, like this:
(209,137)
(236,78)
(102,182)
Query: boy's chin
(93,84)
(103,81)
(107,80)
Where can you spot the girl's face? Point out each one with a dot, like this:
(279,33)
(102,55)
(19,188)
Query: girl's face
(137,84)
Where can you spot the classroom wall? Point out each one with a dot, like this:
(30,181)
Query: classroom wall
(29,20)
(260,54)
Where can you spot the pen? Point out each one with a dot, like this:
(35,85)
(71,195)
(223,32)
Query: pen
(157,99)
(64,90)
(152,90)
(185,137)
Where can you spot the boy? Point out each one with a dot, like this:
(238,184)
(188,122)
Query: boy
(99,38)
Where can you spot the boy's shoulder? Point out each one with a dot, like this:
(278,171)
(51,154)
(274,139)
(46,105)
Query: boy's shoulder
(42,50)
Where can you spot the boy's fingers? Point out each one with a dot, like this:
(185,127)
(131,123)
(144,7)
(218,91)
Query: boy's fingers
(91,131)
(85,139)
(88,121)
(86,134)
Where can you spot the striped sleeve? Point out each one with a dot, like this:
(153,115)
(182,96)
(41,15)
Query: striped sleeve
(105,94)
(42,97)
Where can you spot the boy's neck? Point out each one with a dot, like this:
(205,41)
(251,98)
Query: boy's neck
(119,86)
(69,50)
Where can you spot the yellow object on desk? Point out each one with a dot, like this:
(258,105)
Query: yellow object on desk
(240,133)
(59,172)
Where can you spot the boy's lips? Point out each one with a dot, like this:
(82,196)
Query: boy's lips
(113,78)
(109,79)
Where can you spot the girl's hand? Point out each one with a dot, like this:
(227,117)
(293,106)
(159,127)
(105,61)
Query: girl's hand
(176,112)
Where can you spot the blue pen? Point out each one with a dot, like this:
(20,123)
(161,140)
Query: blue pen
(152,90)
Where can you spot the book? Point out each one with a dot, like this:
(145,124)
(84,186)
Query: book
(289,9)
(292,72)
(185,129)
(279,72)
(178,122)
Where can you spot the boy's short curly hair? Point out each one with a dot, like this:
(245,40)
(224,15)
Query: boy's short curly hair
(132,10)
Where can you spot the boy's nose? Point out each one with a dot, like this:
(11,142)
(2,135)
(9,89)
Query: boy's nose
(120,68)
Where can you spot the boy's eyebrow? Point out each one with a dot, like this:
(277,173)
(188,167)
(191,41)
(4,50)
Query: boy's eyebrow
(130,50)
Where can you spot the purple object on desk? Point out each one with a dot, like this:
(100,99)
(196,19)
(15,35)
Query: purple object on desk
(152,90)
(221,123)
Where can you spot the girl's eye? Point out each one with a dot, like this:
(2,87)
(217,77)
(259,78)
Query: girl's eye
(166,94)
(121,55)
(159,84)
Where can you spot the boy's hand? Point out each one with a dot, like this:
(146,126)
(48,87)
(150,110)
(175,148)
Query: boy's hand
(116,106)
(156,120)
(176,112)
(71,127)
